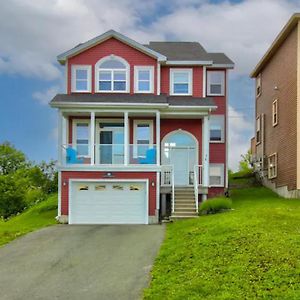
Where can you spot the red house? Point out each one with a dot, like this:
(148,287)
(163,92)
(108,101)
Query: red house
(142,130)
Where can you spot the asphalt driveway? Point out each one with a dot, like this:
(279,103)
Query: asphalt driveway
(80,262)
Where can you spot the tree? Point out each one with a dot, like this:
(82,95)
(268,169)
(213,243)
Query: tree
(11,159)
(244,165)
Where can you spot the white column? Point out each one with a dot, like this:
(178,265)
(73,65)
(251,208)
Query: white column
(158,79)
(158,138)
(126,138)
(92,138)
(205,151)
(204,82)
(60,140)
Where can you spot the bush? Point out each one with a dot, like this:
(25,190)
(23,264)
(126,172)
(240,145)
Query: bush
(213,206)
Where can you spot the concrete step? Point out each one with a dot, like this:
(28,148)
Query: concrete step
(185,198)
(185,205)
(184,213)
(184,202)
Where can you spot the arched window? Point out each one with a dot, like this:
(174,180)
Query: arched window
(112,75)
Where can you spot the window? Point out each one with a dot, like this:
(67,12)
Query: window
(258,130)
(181,81)
(112,75)
(118,187)
(100,187)
(83,188)
(81,78)
(81,134)
(275,112)
(143,137)
(216,175)
(216,129)
(258,85)
(215,83)
(143,79)
(272,166)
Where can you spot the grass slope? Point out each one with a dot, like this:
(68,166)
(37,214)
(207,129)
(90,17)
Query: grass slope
(41,215)
(252,252)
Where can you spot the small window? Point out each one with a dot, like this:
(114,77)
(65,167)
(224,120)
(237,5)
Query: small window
(81,78)
(83,188)
(258,130)
(100,187)
(181,81)
(215,83)
(216,124)
(118,187)
(134,188)
(275,112)
(216,175)
(258,85)
(143,79)
(272,166)
(81,138)
(143,137)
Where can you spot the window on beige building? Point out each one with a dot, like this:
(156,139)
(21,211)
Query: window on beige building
(272,166)
(258,130)
(258,85)
(275,112)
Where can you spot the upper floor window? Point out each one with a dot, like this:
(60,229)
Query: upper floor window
(81,78)
(143,137)
(181,81)
(81,137)
(275,112)
(143,79)
(258,85)
(216,124)
(258,130)
(112,75)
(215,83)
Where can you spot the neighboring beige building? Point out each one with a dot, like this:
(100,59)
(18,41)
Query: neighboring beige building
(276,151)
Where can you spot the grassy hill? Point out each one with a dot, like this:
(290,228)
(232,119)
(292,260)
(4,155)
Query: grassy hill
(41,215)
(251,252)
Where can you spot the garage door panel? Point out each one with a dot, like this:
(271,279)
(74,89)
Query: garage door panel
(108,203)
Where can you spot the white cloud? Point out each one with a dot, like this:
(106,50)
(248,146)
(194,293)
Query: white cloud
(45,96)
(239,135)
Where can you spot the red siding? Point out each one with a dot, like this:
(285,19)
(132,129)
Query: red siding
(215,191)
(67,175)
(108,47)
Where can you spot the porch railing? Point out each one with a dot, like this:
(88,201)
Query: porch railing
(167,179)
(109,154)
(197,182)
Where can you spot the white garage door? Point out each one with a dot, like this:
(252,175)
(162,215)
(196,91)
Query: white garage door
(108,203)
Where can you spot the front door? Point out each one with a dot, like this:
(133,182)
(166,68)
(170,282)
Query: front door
(179,159)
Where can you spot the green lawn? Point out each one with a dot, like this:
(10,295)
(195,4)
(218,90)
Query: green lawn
(252,252)
(41,215)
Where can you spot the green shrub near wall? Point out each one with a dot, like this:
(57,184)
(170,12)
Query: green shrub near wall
(215,205)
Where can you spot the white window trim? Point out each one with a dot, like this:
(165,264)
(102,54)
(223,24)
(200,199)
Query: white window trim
(221,166)
(74,134)
(208,81)
(275,104)
(136,79)
(73,80)
(258,118)
(190,82)
(102,60)
(258,79)
(222,129)
(276,165)
(135,125)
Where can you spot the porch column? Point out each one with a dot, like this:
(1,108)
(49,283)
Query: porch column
(60,138)
(205,151)
(126,138)
(92,138)
(158,138)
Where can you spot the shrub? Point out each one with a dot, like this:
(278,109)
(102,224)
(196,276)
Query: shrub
(212,206)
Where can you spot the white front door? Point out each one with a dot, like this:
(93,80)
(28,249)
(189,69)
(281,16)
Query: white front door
(179,159)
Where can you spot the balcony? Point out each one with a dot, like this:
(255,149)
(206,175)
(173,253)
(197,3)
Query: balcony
(109,154)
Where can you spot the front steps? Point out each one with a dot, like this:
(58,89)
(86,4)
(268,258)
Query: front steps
(185,205)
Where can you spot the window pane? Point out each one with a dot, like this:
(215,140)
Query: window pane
(182,88)
(104,85)
(81,85)
(215,135)
(82,131)
(104,75)
(144,75)
(216,77)
(119,85)
(112,64)
(215,180)
(143,132)
(81,74)
(82,149)
(120,75)
(181,77)
(216,89)
(144,86)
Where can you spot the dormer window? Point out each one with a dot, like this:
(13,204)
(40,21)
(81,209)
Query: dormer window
(81,78)
(112,75)
(215,83)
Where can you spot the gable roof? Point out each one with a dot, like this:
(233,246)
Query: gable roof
(105,36)
(293,21)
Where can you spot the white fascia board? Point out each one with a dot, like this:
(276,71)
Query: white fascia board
(227,66)
(189,62)
(111,33)
(192,107)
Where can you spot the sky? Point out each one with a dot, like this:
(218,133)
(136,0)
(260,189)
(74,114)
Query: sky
(34,32)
